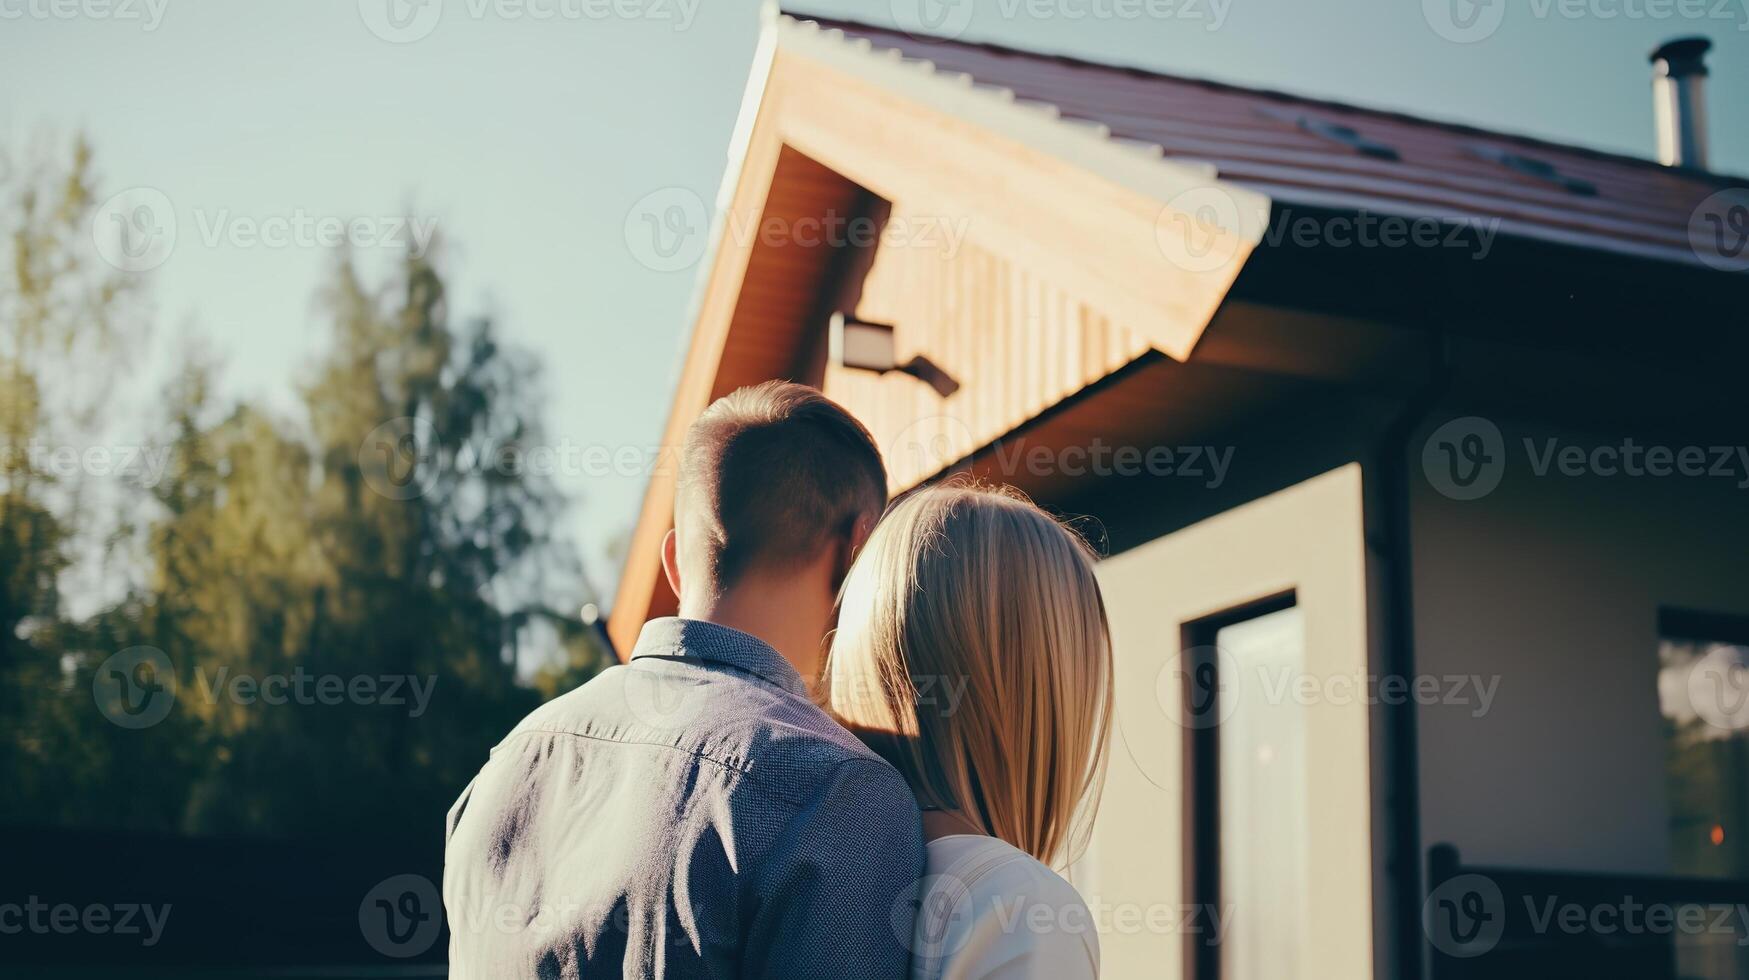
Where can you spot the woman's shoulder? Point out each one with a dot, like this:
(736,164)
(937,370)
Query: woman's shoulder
(988,906)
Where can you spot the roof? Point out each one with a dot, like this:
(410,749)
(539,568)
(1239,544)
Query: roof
(1123,206)
(1318,153)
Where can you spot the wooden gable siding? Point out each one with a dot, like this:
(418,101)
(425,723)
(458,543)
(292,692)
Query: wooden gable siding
(1015,341)
(1046,237)
(761,295)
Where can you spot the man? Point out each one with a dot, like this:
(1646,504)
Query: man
(692,813)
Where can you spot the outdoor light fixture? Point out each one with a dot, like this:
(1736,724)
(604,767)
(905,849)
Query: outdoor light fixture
(866,346)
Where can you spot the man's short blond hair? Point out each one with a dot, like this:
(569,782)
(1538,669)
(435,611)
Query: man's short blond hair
(769,476)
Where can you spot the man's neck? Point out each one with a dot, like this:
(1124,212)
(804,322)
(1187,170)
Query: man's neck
(774,614)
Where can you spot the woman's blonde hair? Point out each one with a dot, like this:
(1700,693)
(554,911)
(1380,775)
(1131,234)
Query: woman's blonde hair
(973,651)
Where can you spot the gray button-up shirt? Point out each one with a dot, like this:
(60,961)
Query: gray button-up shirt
(688,814)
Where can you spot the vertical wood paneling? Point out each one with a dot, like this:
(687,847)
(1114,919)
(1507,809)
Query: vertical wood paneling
(1016,342)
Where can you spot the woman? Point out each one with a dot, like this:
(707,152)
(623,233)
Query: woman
(973,652)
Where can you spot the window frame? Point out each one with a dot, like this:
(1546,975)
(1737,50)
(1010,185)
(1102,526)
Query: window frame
(1201,840)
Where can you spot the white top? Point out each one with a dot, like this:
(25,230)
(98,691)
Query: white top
(990,910)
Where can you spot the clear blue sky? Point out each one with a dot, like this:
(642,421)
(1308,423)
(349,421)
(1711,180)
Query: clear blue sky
(529,140)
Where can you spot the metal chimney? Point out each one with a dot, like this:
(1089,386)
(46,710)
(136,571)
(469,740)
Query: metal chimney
(1679,101)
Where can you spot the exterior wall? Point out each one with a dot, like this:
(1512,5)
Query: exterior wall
(1553,584)
(1016,342)
(1307,538)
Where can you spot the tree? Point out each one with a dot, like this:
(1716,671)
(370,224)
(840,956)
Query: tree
(387,538)
(66,320)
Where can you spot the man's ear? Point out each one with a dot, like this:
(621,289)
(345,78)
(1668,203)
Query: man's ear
(671,560)
(860,531)
(849,547)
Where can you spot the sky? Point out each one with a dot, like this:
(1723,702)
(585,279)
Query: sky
(531,134)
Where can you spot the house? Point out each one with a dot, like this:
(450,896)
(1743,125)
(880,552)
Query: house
(1415,449)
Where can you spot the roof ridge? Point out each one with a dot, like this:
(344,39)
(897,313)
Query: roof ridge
(841,24)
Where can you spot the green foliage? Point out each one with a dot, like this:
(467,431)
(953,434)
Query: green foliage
(280,548)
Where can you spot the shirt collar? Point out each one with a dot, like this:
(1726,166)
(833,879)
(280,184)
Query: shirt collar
(671,636)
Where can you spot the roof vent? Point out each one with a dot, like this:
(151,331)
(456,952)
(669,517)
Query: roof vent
(1535,169)
(1335,132)
(1679,101)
